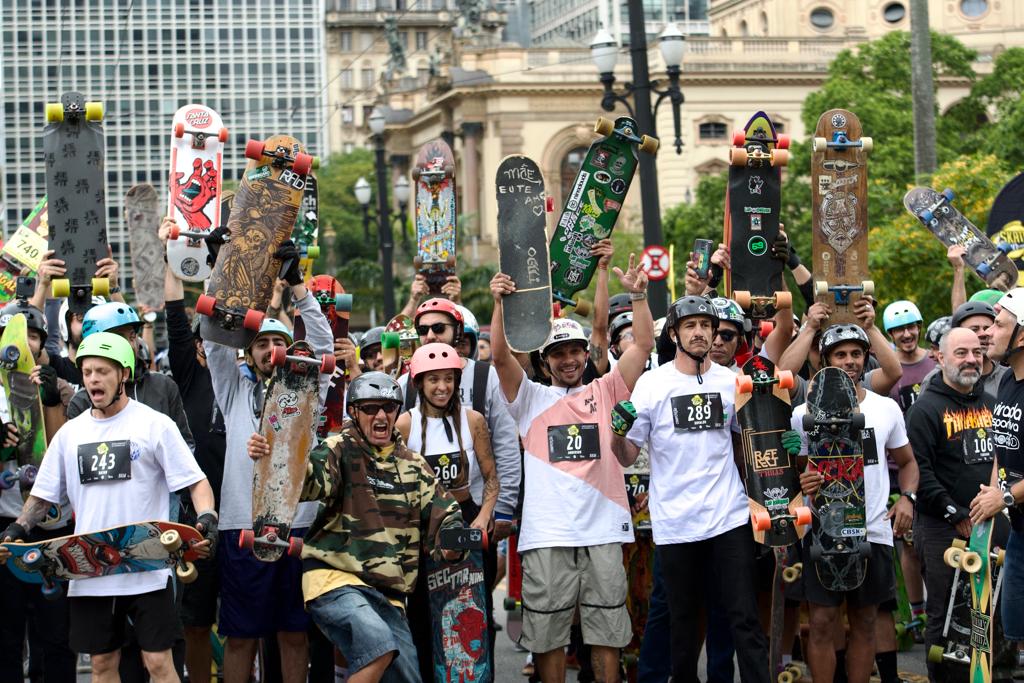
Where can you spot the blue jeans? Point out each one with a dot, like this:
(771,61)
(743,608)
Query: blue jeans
(1011,594)
(365,626)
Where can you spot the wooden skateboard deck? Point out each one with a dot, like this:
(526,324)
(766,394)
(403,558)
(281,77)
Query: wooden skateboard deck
(523,252)
(753,201)
(142,215)
(24,249)
(26,410)
(833,424)
(336,306)
(839,213)
(458,611)
(262,217)
(594,203)
(291,413)
(77,210)
(307,226)
(436,215)
(936,212)
(638,558)
(197,150)
(140,547)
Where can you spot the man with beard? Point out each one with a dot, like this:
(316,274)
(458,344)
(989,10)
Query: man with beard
(950,434)
(977,316)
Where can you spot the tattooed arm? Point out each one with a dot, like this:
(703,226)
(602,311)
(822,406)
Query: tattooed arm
(485,460)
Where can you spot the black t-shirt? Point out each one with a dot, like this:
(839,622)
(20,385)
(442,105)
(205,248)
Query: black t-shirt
(1006,425)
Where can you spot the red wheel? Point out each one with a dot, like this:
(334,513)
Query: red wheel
(179,129)
(302,164)
(739,138)
(761,520)
(549,204)
(254,149)
(782,142)
(222,135)
(174,232)
(327,363)
(803,515)
(278,356)
(294,547)
(253,320)
(765,328)
(205,305)
(744,383)
(786,379)
(247,539)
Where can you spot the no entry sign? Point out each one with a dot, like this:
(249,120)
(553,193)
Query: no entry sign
(655,262)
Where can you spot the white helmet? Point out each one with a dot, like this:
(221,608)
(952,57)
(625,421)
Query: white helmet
(1013,301)
(62,321)
(563,330)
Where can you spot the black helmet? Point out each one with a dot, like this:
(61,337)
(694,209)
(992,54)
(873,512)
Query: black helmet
(688,307)
(837,334)
(729,311)
(970,308)
(33,316)
(618,304)
(374,386)
(371,337)
(936,329)
(619,323)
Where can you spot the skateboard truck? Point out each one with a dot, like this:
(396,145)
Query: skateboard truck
(763,306)
(842,292)
(35,560)
(247,540)
(233,317)
(301,163)
(194,236)
(199,137)
(279,356)
(841,141)
(647,144)
(739,155)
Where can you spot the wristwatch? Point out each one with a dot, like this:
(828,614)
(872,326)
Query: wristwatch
(911,496)
(1008,499)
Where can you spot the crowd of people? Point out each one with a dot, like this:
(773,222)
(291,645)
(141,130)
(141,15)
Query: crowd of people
(534,443)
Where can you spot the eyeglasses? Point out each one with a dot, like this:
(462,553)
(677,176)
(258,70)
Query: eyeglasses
(726,335)
(372,409)
(436,328)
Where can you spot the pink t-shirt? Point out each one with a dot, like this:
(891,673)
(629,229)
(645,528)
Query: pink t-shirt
(574,491)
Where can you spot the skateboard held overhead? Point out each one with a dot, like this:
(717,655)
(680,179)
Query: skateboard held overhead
(307,226)
(142,216)
(436,216)
(336,306)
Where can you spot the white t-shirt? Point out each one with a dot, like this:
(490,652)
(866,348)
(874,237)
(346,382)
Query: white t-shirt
(161,462)
(696,490)
(883,415)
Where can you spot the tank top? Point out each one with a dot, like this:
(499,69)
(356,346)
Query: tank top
(451,466)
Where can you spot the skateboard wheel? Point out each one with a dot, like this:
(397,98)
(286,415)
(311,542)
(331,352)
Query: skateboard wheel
(450,261)
(302,164)
(765,328)
(959,543)
(294,546)
(926,216)
(247,539)
(313,252)
(786,381)
(803,515)
(782,142)
(857,421)
(27,475)
(951,557)
(549,204)
(54,112)
(742,298)
(999,557)
(417,262)
(254,149)
(778,157)
(51,591)
(783,300)
(510,604)
(101,286)
(869,288)
(187,573)
(222,135)
(867,144)
(820,288)
(390,340)
(649,145)
(33,558)
(343,302)
(935,653)
(739,138)
(737,156)
(761,520)
(93,111)
(819,144)
(316,163)
(949,195)
(174,232)
(485,541)
(984,269)
(807,422)
(327,363)
(278,356)
(901,630)
(814,552)
(253,319)
(970,562)
(8,479)
(604,126)
(583,308)
(744,384)
(205,304)
(786,677)
(60,288)
(791,574)
(170,540)
(179,129)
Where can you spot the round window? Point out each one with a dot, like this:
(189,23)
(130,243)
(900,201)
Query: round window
(894,12)
(822,18)
(973,8)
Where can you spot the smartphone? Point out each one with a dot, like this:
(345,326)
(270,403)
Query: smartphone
(459,538)
(702,257)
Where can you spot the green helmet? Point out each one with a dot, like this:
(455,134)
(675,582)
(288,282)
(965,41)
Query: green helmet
(108,345)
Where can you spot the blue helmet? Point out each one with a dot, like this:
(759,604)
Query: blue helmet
(105,317)
(900,313)
(274,326)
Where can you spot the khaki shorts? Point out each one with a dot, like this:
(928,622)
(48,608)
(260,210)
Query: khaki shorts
(557,580)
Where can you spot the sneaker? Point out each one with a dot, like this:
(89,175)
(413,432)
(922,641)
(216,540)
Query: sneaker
(528,668)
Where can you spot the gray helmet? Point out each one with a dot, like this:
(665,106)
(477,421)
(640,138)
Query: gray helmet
(619,323)
(837,334)
(971,308)
(688,307)
(374,386)
(936,329)
(618,304)
(729,311)
(33,316)
(371,337)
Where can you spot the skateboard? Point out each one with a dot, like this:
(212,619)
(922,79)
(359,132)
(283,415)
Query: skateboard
(638,558)
(262,217)
(834,424)
(513,588)
(307,226)
(77,208)
(26,410)
(397,345)
(778,517)
(434,175)
(937,213)
(523,252)
(458,612)
(839,213)
(23,250)
(290,416)
(753,200)
(336,306)
(131,548)
(907,624)
(594,203)
(197,150)
(1004,220)
(142,215)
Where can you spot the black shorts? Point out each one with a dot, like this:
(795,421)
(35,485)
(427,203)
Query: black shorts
(199,598)
(878,587)
(98,624)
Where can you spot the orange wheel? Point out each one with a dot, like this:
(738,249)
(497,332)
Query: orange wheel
(179,129)
(738,156)
(254,149)
(778,157)
(803,513)
(786,379)
(205,305)
(278,356)
(744,384)
(246,539)
(783,300)
(253,320)
(174,232)
(294,547)
(327,363)
(222,135)
(761,520)
(742,297)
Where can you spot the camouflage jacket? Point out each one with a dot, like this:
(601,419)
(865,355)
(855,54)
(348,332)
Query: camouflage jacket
(377,513)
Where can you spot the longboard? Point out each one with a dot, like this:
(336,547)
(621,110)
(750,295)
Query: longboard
(23,403)
(307,226)
(435,217)
(458,610)
(142,215)
(336,306)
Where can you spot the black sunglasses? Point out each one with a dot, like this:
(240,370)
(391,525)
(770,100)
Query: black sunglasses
(726,335)
(436,328)
(374,408)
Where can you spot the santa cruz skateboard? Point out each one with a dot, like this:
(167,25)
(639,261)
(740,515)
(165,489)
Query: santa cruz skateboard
(594,203)
(397,344)
(262,218)
(307,226)
(839,213)
(638,558)
(77,210)
(291,413)
(833,424)
(523,252)
(937,213)
(777,515)
(142,215)
(140,547)
(753,200)
(197,148)
(25,249)
(336,306)
(434,175)
(26,410)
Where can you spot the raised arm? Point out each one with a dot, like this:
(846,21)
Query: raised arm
(510,374)
(633,362)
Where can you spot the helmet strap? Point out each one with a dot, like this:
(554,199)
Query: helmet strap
(697,359)
(1010,348)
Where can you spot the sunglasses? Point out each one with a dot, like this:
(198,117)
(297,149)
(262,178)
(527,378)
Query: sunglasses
(372,409)
(436,328)
(726,335)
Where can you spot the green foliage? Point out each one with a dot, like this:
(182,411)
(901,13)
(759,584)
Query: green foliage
(340,212)
(1000,92)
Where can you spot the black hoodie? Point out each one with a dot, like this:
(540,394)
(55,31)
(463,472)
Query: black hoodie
(951,435)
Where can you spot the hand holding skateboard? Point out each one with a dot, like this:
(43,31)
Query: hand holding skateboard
(501,286)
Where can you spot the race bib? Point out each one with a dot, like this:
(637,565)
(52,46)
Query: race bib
(573,443)
(447,467)
(636,485)
(697,412)
(978,446)
(908,394)
(867,439)
(104,461)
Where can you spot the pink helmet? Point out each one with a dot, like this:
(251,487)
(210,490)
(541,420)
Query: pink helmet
(434,357)
(439,305)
